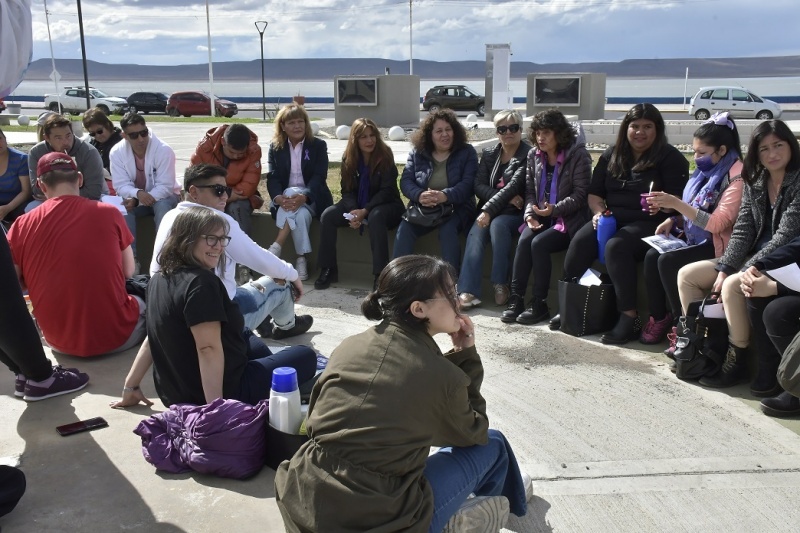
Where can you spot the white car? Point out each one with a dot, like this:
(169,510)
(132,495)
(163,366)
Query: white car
(738,101)
(74,101)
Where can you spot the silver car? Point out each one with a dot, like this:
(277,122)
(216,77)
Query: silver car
(738,101)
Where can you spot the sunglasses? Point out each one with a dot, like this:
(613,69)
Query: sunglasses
(98,132)
(212,240)
(136,134)
(219,190)
(513,128)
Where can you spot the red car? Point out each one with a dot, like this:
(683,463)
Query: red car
(188,103)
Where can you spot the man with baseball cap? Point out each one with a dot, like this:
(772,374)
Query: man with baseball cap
(74,255)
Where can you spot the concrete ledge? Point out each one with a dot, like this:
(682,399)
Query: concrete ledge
(5,118)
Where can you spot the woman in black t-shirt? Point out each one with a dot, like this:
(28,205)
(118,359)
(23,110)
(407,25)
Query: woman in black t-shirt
(200,352)
(641,161)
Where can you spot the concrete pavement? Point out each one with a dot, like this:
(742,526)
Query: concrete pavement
(613,442)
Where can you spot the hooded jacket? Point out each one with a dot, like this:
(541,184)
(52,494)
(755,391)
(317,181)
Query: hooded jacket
(243,174)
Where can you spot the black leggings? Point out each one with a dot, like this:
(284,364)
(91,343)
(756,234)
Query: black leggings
(20,346)
(533,256)
(775,322)
(623,251)
(661,276)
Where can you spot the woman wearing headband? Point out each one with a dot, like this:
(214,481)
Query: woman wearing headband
(705,216)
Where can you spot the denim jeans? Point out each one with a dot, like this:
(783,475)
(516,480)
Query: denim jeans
(502,232)
(407,235)
(255,306)
(488,470)
(302,226)
(158,210)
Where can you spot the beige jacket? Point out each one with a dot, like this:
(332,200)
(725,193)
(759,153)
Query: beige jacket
(387,395)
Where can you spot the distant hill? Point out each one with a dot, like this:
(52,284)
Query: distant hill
(324,69)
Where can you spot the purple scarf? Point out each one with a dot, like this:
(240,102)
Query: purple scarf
(363,183)
(702,192)
(553,199)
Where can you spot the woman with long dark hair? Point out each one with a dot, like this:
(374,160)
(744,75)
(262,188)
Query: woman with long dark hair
(370,199)
(639,162)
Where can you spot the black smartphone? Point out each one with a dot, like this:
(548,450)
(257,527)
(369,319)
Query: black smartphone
(83,425)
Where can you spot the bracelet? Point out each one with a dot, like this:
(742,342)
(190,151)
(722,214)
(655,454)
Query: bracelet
(130,389)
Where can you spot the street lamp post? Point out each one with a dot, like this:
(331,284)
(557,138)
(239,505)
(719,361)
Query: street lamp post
(261,26)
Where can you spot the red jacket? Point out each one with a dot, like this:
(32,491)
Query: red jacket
(243,174)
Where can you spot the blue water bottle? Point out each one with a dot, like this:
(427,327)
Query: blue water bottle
(606,228)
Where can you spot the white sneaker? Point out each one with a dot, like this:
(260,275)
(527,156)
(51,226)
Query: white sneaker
(527,482)
(302,268)
(481,514)
(275,249)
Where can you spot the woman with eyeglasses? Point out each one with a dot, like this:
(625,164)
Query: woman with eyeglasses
(500,187)
(388,395)
(200,348)
(370,199)
(641,161)
(558,171)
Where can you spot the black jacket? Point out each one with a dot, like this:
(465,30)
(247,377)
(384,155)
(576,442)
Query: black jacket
(491,199)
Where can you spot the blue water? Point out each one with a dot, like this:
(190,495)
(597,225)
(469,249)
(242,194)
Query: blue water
(618,90)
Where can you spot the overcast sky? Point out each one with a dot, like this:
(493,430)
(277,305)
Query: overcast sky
(167,32)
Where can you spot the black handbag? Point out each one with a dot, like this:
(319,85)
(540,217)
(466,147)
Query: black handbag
(701,342)
(429,217)
(586,310)
(137,286)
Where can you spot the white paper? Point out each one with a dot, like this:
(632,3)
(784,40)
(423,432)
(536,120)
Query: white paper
(590,277)
(788,275)
(349,216)
(664,243)
(116,201)
(714,311)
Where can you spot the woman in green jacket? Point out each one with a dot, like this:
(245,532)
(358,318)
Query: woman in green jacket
(388,395)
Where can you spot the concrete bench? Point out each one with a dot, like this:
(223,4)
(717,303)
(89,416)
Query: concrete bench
(6,118)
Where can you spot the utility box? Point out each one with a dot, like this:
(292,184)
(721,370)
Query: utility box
(581,94)
(389,100)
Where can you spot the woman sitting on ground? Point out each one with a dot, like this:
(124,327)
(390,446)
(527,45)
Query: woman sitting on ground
(370,199)
(558,174)
(706,214)
(641,161)
(769,218)
(200,349)
(15,184)
(773,309)
(388,395)
(440,172)
(500,187)
(297,173)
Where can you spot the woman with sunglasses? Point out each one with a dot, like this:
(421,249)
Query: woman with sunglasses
(388,395)
(558,171)
(500,187)
(641,161)
(370,199)
(200,348)
(103,135)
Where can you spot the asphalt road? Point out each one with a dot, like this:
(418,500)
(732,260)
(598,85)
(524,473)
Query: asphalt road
(329,113)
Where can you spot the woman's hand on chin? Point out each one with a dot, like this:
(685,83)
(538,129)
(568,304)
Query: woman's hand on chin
(465,336)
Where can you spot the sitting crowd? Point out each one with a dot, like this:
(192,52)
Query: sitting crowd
(215,294)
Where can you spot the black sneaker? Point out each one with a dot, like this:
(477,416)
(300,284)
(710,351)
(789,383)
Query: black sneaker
(265,329)
(515,307)
(302,323)
(785,404)
(555,323)
(535,313)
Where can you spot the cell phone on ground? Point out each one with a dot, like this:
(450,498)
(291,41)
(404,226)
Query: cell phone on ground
(83,425)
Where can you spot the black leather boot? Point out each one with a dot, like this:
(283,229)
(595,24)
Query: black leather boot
(785,404)
(535,313)
(555,323)
(326,277)
(627,329)
(733,371)
(516,305)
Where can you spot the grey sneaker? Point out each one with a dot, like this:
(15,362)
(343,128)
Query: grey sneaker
(64,382)
(481,514)
(468,300)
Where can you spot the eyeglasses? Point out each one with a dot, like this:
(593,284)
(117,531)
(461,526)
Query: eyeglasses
(98,132)
(212,240)
(219,190)
(513,128)
(136,134)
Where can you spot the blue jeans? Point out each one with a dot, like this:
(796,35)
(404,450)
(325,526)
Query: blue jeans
(488,470)
(158,210)
(407,235)
(255,306)
(503,231)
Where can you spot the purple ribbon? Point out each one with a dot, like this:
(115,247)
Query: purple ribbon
(720,119)
(307,158)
